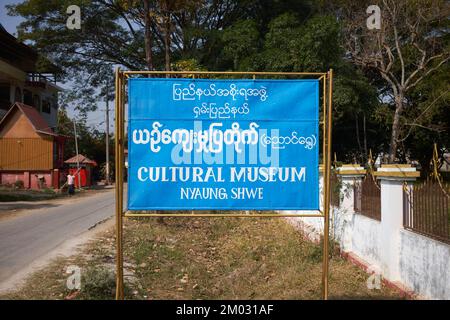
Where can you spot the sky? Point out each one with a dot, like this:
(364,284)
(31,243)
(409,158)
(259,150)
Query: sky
(96,118)
(9,22)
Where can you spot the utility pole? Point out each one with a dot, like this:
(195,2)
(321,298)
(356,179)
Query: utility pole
(76,150)
(107,139)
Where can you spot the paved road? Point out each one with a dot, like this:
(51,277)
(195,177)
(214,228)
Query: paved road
(29,236)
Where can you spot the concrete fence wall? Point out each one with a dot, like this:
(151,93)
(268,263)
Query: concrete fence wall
(411,261)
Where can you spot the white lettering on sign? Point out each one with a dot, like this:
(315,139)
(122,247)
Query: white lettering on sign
(191,92)
(280,142)
(225,112)
(223,144)
(265,174)
(211,140)
(216,174)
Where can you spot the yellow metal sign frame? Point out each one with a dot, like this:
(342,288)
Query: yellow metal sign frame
(326,121)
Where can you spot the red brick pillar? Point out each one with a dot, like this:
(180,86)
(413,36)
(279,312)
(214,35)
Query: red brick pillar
(55,178)
(26,179)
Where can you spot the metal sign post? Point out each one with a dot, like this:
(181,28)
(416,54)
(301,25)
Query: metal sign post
(149,134)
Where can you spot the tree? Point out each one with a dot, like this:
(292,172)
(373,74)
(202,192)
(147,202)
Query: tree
(428,119)
(293,45)
(409,47)
(315,44)
(132,34)
(91,142)
(390,88)
(148,35)
(241,43)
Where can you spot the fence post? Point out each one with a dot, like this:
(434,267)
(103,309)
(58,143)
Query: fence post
(392,177)
(349,174)
(321,185)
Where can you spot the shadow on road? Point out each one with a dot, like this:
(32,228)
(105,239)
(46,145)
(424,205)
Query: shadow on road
(7,207)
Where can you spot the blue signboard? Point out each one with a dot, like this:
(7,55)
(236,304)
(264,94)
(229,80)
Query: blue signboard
(223,144)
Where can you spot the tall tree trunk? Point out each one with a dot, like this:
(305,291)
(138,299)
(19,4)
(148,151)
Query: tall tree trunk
(358,140)
(167,34)
(148,35)
(365,137)
(396,128)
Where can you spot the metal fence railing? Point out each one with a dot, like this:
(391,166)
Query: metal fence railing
(426,210)
(367,198)
(357,196)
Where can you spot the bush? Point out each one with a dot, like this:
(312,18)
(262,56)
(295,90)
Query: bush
(98,284)
(48,191)
(315,255)
(18,184)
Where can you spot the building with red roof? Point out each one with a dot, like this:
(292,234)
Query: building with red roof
(30,151)
(83,175)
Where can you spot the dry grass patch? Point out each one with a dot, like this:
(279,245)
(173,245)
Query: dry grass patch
(204,258)
(236,258)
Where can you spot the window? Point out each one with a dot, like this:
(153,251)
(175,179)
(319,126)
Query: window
(4,92)
(46,106)
(54,101)
(18,95)
(5,103)
(27,97)
(37,102)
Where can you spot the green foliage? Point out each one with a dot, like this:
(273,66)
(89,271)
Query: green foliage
(91,142)
(292,46)
(84,57)
(427,120)
(187,65)
(410,47)
(18,184)
(241,43)
(98,284)
(240,35)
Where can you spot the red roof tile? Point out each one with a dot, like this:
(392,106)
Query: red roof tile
(81,159)
(35,118)
(39,124)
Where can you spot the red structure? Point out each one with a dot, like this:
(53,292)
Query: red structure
(85,172)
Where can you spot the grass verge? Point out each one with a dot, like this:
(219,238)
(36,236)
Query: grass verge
(204,258)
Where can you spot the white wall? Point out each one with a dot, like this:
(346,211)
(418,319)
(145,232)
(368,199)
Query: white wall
(425,265)
(413,261)
(366,240)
